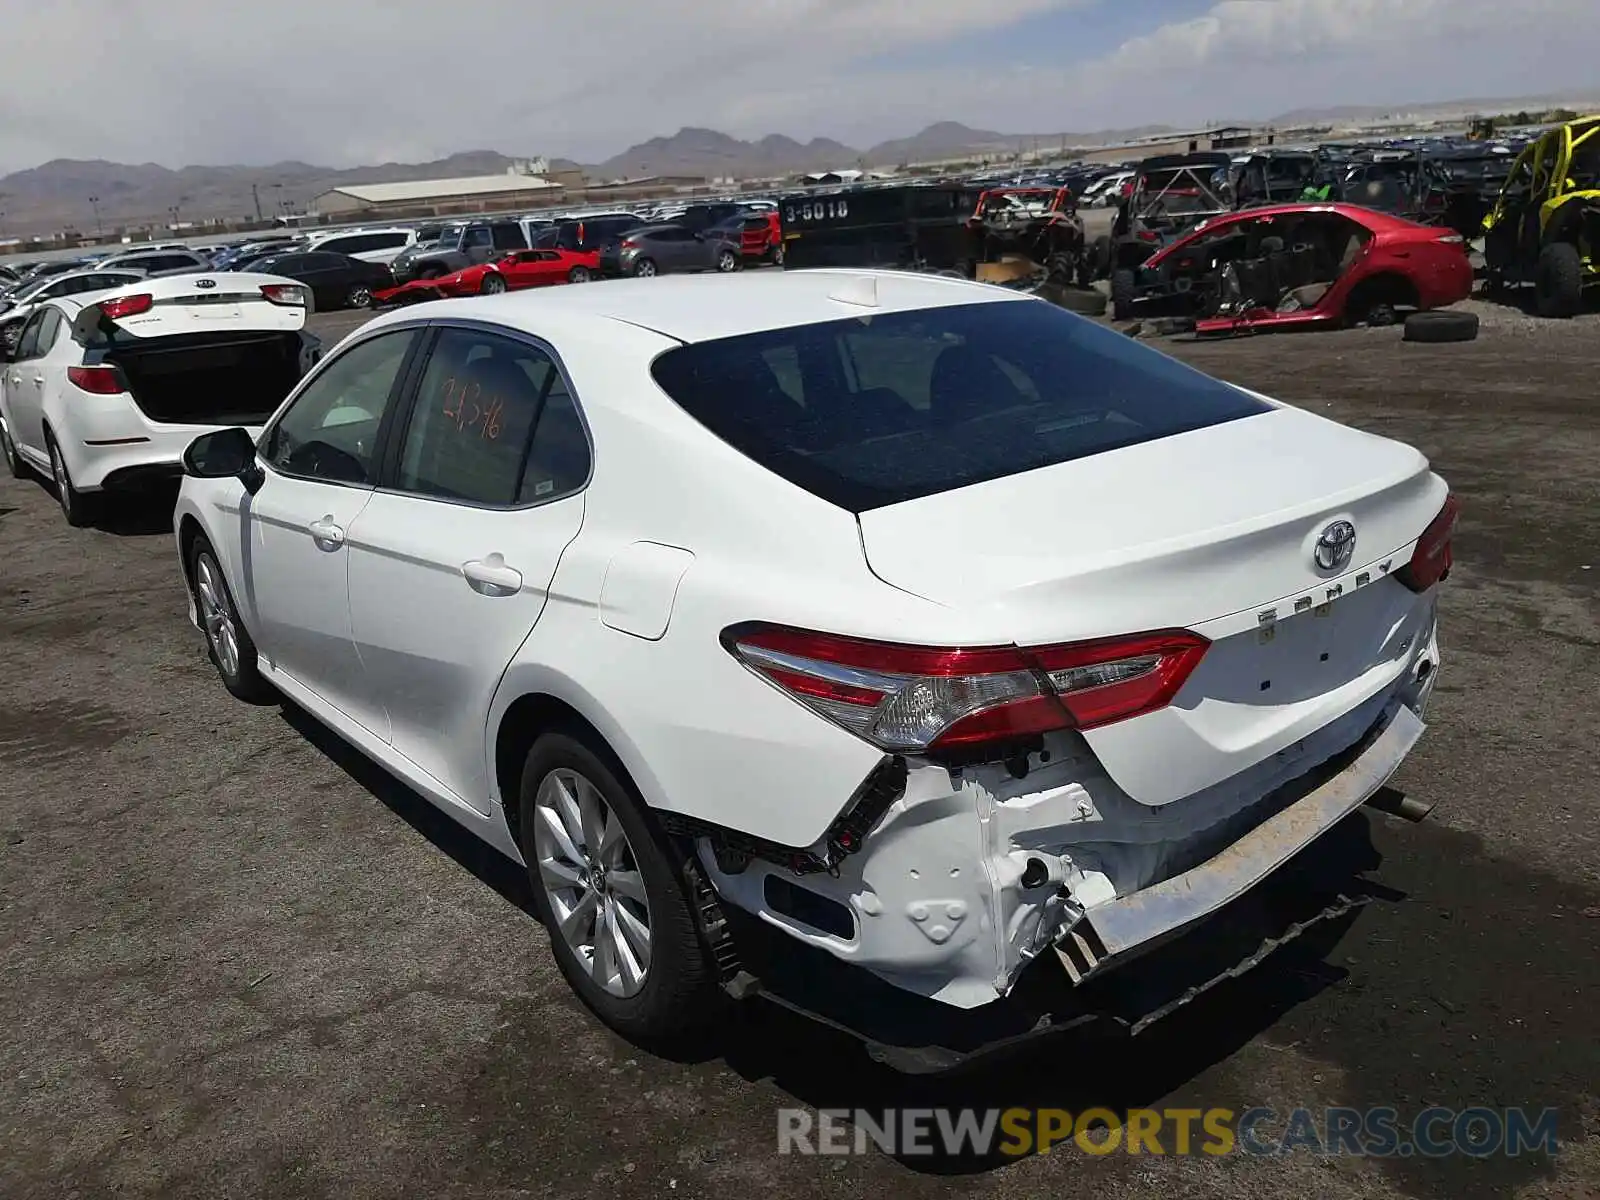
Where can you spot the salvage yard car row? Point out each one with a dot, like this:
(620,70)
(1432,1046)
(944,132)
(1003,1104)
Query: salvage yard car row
(733,615)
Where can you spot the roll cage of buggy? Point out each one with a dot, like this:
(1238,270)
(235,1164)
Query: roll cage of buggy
(1274,177)
(1037,226)
(1544,227)
(1408,183)
(1171,194)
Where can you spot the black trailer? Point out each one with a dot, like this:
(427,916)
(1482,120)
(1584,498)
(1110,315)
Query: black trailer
(914,226)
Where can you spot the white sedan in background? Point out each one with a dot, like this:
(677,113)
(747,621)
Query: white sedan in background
(103,391)
(929,625)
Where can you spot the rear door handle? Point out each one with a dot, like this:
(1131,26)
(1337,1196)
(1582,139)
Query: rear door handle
(39,380)
(491,577)
(326,533)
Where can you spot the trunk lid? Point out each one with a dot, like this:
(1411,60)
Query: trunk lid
(1207,531)
(199,303)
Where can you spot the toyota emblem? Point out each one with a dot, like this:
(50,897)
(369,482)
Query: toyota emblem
(205,283)
(1336,545)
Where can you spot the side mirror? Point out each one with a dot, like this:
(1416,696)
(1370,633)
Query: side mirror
(223,454)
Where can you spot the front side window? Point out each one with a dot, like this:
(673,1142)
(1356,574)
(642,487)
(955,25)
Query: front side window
(870,413)
(477,238)
(330,432)
(493,424)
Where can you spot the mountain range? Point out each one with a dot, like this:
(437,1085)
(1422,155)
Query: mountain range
(58,194)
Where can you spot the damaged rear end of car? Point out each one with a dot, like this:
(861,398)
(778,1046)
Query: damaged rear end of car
(1189,631)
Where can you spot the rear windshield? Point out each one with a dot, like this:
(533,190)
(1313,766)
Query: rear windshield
(880,409)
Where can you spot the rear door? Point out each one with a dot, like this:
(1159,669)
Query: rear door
(481,497)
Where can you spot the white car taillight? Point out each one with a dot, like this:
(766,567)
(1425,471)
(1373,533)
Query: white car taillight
(292,295)
(922,698)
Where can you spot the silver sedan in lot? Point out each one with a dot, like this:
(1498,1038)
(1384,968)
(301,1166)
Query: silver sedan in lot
(667,250)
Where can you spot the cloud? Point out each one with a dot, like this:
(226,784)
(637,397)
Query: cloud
(359,81)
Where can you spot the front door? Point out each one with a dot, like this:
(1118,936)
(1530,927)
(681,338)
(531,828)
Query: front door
(486,496)
(321,459)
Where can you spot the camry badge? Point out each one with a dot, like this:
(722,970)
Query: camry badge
(205,283)
(1335,546)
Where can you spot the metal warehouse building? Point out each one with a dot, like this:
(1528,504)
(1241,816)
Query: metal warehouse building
(514,189)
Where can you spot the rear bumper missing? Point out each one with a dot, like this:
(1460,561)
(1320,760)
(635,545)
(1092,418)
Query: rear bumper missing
(1139,921)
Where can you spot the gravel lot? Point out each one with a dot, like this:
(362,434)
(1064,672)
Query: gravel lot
(238,960)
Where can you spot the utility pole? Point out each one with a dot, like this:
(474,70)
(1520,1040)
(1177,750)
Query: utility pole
(100,230)
(255,193)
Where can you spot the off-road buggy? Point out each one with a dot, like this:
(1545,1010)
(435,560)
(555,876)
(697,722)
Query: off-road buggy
(1031,225)
(1171,194)
(1544,228)
(1273,177)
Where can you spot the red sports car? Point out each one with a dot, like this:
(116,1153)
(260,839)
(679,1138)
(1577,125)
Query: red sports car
(513,272)
(1297,266)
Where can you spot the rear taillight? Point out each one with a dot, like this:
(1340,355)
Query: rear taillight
(291,294)
(917,698)
(127,306)
(98,381)
(1431,560)
(628,244)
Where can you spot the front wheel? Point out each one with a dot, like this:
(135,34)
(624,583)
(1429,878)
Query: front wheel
(1123,287)
(645,268)
(359,297)
(493,284)
(228,643)
(14,464)
(1558,280)
(613,893)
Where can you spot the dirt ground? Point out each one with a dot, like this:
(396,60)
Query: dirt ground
(238,960)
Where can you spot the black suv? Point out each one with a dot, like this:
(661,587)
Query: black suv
(460,245)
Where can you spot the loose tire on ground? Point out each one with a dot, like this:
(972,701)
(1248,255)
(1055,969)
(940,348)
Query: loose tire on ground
(1558,280)
(1441,326)
(679,990)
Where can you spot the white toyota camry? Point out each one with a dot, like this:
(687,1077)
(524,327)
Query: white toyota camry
(953,636)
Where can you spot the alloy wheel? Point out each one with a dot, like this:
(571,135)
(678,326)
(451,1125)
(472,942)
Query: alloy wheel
(216,614)
(592,881)
(360,297)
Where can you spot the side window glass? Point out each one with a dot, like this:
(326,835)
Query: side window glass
(30,337)
(331,430)
(477,238)
(49,330)
(476,411)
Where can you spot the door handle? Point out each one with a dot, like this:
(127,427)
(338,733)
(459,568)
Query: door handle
(39,380)
(491,577)
(326,534)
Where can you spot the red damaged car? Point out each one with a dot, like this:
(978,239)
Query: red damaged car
(510,273)
(1297,266)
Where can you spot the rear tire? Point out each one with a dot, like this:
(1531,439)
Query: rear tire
(578,275)
(645,268)
(1558,280)
(492,284)
(1123,287)
(79,509)
(727,261)
(359,297)
(228,643)
(609,889)
(1441,326)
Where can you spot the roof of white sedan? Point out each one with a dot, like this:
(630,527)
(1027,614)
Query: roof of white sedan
(698,308)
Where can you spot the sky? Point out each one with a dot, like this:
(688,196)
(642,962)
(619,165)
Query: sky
(346,82)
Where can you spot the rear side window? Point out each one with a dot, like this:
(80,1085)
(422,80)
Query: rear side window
(877,410)
(509,237)
(493,424)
